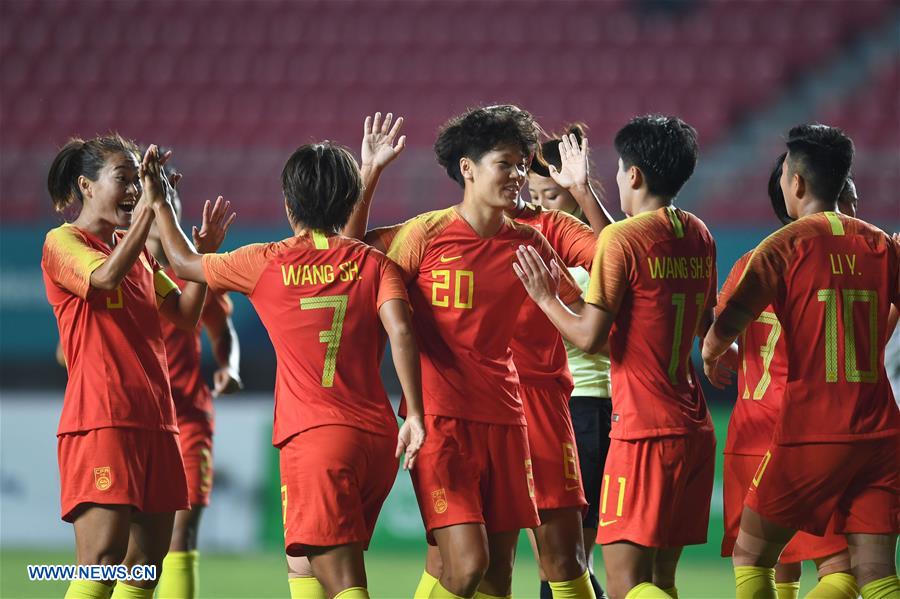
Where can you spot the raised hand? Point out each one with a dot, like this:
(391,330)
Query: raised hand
(156,186)
(378,145)
(540,282)
(216,220)
(410,440)
(574,168)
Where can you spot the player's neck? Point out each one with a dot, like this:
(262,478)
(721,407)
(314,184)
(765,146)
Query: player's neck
(96,227)
(485,220)
(815,206)
(649,203)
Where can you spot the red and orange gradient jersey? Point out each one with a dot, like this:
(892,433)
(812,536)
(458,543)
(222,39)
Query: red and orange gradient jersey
(657,273)
(762,374)
(318,296)
(466,301)
(537,346)
(193,399)
(112,340)
(831,280)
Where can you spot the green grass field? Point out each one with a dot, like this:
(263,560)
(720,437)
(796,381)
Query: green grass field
(263,575)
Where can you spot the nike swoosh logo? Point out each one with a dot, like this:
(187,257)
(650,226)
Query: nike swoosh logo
(572,487)
(603,524)
(445,259)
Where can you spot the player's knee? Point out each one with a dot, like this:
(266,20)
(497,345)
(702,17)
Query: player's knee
(560,566)
(465,573)
(617,586)
(104,556)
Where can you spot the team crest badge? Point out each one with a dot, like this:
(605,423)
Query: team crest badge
(439,499)
(102,478)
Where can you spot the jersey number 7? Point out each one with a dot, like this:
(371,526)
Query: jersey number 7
(330,336)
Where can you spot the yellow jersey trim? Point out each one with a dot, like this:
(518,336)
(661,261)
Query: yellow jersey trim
(320,240)
(676,222)
(837,227)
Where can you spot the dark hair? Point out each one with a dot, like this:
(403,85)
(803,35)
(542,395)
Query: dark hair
(822,155)
(321,184)
(480,130)
(663,147)
(82,158)
(549,153)
(776,196)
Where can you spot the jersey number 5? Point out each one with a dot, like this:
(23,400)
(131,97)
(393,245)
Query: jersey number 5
(330,336)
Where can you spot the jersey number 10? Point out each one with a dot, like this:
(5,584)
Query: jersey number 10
(852,372)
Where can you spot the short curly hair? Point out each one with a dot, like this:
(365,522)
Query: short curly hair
(480,130)
(321,184)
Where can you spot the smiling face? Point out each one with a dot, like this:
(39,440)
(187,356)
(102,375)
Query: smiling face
(546,192)
(112,197)
(497,177)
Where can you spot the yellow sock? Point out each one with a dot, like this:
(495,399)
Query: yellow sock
(754,582)
(646,590)
(579,588)
(671,592)
(788,590)
(126,591)
(426,583)
(88,589)
(180,578)
(835,586)
(353,593)
(306,587)
(439,592)
(883,588)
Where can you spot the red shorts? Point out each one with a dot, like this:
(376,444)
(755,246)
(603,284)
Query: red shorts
(802,486)
(656,492)
(474,472)
(334,480)
(739,472)
(196,451)
(551,442)
(121,466)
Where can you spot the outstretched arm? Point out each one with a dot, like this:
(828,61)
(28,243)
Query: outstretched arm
(184,259)
(587,330)
(574,175)
(395,318)
(380,146)
(225,348)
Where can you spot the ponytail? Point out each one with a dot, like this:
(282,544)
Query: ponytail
(81,158)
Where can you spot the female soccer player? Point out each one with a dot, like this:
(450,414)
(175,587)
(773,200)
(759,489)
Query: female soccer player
(474,485)
(762,377)
(560,185)
(121,472)
(194,411)
(324,299)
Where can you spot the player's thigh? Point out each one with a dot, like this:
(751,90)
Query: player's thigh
(149,537)
(101,533)
(498,576)
(463,549)
(872,557)
(760,541)
(186,529)
(560,543)
(627,565)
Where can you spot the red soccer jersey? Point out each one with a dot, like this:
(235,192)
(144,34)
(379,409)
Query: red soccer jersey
(657,273)
(761,376)
(466,300)
(318,296)
(193,400)
(831,280)
(537,347)
(112,340)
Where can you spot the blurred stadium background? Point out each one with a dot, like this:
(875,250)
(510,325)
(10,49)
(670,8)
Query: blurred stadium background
(234,85)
